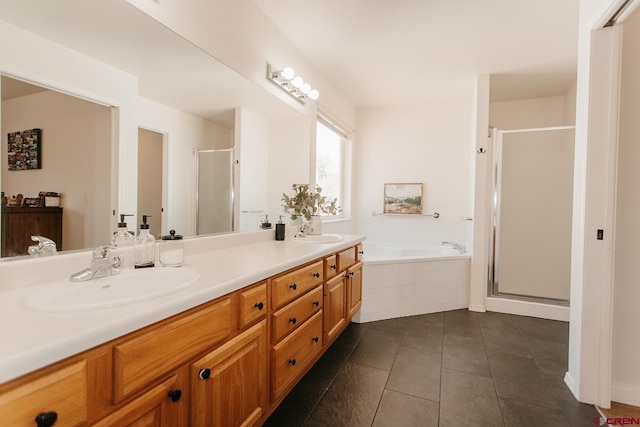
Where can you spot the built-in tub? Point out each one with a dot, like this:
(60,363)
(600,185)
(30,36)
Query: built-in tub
(405,280)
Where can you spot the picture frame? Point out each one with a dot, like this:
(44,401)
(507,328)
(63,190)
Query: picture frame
(24,150)
(404,198)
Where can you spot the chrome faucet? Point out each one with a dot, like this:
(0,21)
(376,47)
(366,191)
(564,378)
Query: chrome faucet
(304,229)
(45,246)
(101,265)
(456,246)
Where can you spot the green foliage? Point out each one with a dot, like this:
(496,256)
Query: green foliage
(305,203)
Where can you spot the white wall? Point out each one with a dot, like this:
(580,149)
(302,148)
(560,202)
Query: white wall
(184,133)
(76,137)
(625,375)
(429,144)
(40,61)
(533,113)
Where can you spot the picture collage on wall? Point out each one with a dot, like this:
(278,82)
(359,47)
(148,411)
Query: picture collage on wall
(24,150)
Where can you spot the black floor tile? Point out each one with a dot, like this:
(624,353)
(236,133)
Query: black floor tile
(456,368)
(519,414)
(468,400)
(397,409)
(465,354)
(542,329)
(353,397)
(417,373)
(377,349)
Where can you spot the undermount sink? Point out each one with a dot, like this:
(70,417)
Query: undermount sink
(128,287)
(318,238)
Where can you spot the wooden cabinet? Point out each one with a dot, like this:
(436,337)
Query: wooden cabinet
(227,362)
(228,385)
(253,305)
(20,223)
(293,355)
(354,288)
(59,395)
(162,405)
(335,314)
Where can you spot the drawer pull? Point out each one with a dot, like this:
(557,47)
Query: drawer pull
(259,305)
(292,362)
(316,275)
(334,267)
(175,395)
(315,339)
(361,252)
(293,286)
(204,374)
(46,419)
(351,274)
(316,303)
(293,320)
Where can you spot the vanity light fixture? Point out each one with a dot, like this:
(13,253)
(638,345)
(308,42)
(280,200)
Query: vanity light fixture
(294,85)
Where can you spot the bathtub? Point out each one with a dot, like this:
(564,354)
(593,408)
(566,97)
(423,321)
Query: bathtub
(405,280)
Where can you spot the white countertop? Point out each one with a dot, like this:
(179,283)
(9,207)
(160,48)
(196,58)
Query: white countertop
(30,340)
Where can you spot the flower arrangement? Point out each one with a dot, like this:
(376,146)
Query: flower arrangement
(305,203)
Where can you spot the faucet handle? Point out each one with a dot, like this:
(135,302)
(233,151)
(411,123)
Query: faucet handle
(102,252)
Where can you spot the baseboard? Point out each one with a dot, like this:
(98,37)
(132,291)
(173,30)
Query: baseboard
(625,394)
(527,308)
(568,380)
(477,308)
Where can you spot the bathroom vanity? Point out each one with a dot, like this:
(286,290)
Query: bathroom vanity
(227,360)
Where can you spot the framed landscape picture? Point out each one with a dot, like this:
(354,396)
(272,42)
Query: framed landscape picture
(24,150)
(403,198)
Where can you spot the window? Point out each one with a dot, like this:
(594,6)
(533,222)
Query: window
(332,159)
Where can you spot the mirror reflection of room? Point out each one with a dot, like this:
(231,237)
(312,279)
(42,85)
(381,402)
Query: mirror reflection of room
(75,141)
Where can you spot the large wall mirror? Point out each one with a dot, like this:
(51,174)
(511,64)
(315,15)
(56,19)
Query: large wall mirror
(139,80)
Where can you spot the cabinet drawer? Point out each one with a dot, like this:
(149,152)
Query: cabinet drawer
(291,285)
(63,392)
(346,258)
(139,360)
(293,315)
(359,252)
(292,356)
(330,267)
(253,305)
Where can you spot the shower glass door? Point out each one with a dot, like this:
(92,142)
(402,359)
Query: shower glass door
(532,214)
(214,192)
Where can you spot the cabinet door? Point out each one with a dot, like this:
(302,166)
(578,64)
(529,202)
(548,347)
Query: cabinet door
(229,384)
(334,307)
(354,289)
(163,405)
(60,395)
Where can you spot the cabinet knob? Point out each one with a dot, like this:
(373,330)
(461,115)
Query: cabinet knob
(351,274)
(293,286)
(259,305)
(316,275)
(315,339)
(46,419)
(292,362)
(293,320)
(175,395)
(204,374)
(361,252)
(334,267)
(316,303)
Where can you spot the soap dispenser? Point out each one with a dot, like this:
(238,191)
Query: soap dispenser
(123,236)
(145,247)
(265,224)
(280,229)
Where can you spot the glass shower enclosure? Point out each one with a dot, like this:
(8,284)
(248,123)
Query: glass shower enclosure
(214,191)
(532,204)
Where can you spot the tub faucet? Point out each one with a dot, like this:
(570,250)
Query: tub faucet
(45,246)
(456,246)
(101,265)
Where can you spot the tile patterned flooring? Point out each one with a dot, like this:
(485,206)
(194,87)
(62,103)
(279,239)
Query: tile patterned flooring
(456,368)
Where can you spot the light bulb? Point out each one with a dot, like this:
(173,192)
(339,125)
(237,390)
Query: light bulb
(287,73)
(297,82)
(306,88)
(314,94)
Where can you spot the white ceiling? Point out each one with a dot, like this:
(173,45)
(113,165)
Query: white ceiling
(389,52)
